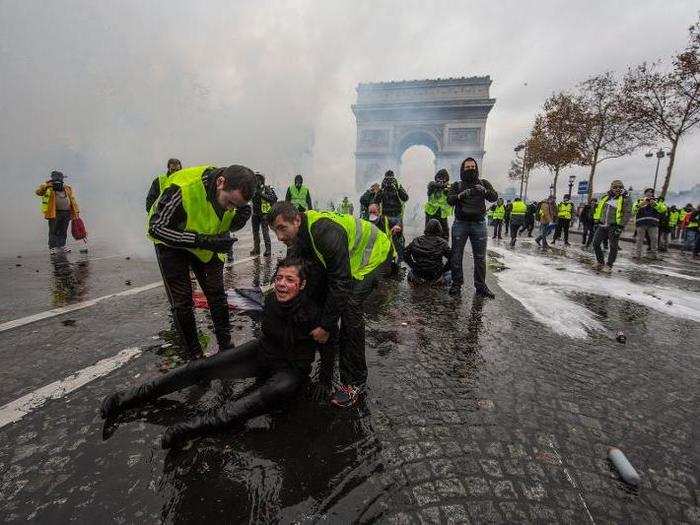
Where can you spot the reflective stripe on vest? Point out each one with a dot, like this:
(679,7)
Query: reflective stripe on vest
(598,213)
(299,196)
(367,246)
(437,205)
(564,210)
(265,206)
(673,218)
(519,208)
(499,212)
(201,216)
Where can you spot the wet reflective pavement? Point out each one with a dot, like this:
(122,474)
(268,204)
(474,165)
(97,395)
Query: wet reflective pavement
(478,411)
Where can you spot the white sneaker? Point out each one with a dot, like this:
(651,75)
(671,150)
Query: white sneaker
(65,249)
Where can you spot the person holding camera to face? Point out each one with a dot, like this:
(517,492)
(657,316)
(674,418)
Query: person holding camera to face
(648,212)
(59,206)
(437,206)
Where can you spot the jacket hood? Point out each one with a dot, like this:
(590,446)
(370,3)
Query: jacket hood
(299,179)
(442,175)
(464,176)
(433,228)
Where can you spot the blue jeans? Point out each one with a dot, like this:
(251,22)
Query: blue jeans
(477,234)
(690,240)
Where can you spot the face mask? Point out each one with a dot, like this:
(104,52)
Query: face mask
(373,217)
(57,186)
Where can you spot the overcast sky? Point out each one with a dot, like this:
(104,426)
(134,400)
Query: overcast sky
(107,91)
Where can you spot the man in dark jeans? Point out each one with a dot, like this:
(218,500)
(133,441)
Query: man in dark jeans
(586,220)
(469,196)
(191,225)
(262,202)
(611,214)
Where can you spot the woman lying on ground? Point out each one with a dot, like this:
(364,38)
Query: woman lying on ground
(281,359)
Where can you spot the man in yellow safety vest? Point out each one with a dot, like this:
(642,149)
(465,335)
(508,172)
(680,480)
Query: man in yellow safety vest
(160,182)
(565,210)
(191,224)
(299,195)
(610,216)
(350,255)
(499,213)
(437,206)
(517,218)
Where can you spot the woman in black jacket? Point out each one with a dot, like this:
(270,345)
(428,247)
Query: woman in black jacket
(281,358)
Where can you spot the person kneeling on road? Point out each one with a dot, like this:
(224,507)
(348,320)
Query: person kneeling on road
(281,358)
(425,254)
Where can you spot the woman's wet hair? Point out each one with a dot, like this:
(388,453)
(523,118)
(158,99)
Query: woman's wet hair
(292,261)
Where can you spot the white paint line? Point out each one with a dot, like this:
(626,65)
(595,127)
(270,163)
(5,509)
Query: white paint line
(17,409)
(9,325)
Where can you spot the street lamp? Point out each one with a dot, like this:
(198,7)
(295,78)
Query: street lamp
(525,172)
(572,178)
(659,155)
(551,189)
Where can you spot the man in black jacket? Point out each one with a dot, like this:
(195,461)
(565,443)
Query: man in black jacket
(349,272)
(392,197)
(262,202)
(586,220)
(428,256)
(469,196)
(367,199)
(213,199)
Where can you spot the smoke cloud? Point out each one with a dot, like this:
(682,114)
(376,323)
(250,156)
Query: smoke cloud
(107,92)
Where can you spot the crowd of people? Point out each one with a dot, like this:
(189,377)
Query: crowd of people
(334,262)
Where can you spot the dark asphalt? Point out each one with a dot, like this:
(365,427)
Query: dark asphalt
(476,413)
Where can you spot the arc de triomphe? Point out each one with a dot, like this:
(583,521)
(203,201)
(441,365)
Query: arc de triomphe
(446,115)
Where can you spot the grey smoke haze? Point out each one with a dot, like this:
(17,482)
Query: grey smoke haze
(107,91)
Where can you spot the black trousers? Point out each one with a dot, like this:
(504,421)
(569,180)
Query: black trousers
(277,385)
(515,225)
(443,222)
(604,234)
(259,222)
(497,227)
(587,235)
(58,229)
(175,264)
(506,223)
(562,225)
(351,337)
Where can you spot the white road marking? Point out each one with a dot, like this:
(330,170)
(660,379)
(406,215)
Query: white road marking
(9,325)
(17,409)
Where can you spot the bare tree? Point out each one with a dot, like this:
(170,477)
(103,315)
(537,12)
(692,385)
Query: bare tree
(555,139)
(604,129)
(667,104)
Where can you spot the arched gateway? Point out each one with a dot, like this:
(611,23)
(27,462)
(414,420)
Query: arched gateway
(448,116)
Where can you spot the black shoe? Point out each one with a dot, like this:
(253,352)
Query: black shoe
(267,253)
(539,242)
(111,406)
(455,290)
(512,243)
(566,244)
(254,252)
(175,435)
(485,292)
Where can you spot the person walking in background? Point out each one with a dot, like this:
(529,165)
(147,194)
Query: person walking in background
(547,216)
(647,216)
(160,182)
(673,215)
(689,227)
(469,196)
(664,230)
(506,216)
(59,207)
(437,206)
(367,199)
(346,206)
(586,221)
(611,214)
(564,213)
(262,202)
(299,195)
(530,218)
(498,213)
(517,219)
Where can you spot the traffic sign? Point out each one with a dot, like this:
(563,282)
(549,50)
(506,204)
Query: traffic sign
(582,187)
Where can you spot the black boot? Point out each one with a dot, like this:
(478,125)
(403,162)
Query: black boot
(229,415)
(119,402)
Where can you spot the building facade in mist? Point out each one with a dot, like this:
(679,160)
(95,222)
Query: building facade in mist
(446,115)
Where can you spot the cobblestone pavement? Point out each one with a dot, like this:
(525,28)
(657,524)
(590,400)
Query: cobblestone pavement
(476,414)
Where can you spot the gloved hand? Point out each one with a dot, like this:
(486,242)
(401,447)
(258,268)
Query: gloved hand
(220,243)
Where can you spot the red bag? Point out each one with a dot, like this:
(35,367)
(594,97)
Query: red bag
(77,229)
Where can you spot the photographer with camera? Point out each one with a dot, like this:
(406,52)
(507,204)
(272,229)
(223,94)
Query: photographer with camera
(392,198)
(648,213)
(437,206)
(59,206)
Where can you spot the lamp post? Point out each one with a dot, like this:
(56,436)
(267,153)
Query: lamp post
(572,178)
(659,155)
(525,171)
(551,189)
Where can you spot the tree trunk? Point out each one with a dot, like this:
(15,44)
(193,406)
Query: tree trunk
(669,169)
(556,176)
(591,175)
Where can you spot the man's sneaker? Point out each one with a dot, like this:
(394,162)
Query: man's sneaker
(267,253)
(567,243)
(598,266)
(52,251)
(455,290)
(65,249)
(538,242)
(254,252)
(485,292)
(346,396)
(607,268)
(512,243)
